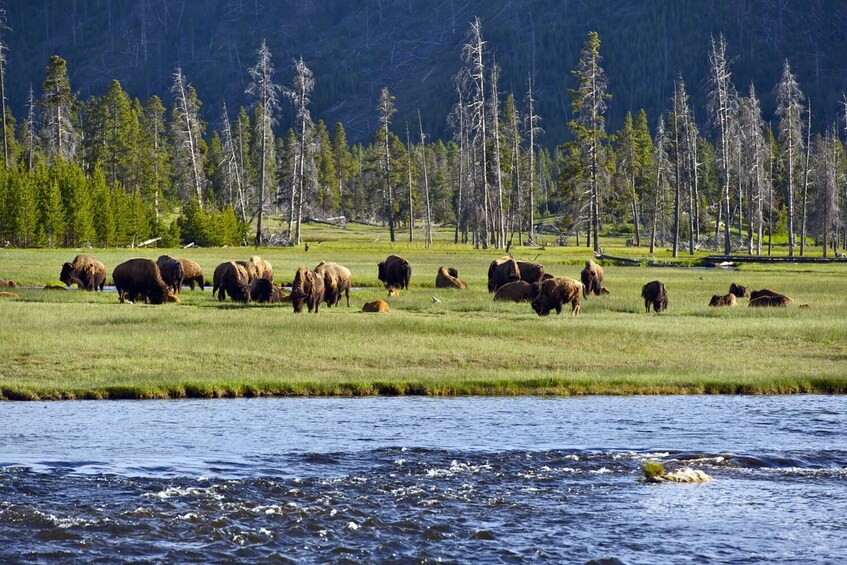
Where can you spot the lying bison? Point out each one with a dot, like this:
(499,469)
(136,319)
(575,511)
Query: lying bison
(8,283)
(448,277)
(592,278)
(739,291)
(140,279)
(376,306)
(655,294)
(337,281)
(556,292)
(234,281)
(85,272)
(502,271)
(769,298)
(725,300)
(395,272)
(172,272)
(518,291)
(530,272)
(192,273)
(308,288)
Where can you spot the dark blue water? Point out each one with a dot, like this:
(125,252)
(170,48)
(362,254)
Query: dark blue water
(417,479)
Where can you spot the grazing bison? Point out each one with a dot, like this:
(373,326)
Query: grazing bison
(337,280)
(448,277)
(518,291)
(307,287)
(725,300)
(376,306)
(192,273)
(8,284)
(395,272)
(739,291)
(530,272)
(85,271)
(556,292)
(502,271)
(592,278)
(219,271)
(140,279)
(172,272)
(259,268)
(655,294)
(767,298)
(234,282)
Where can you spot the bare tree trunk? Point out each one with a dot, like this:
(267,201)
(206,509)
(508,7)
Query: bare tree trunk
(426,186)
(806,183)
(411,213)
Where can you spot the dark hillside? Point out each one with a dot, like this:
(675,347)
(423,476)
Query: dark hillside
(354,47)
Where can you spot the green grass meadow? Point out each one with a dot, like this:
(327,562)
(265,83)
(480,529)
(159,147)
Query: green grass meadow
(71,344)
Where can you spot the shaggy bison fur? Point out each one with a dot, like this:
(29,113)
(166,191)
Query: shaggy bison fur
(172,272)
(192,273)
(725,300)
(655,294)
(219,271)
(556,292)
(395,272)
(259,268)
(376,306)
(518,291)
(739,291)
(768,298)
(263,290)
(308,288)
(337,281)
(502,271)
(85,272)
(448,277)
(234,282)
(592,278)
(140,279)
(530,272)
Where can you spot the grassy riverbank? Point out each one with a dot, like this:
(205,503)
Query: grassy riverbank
(58,344)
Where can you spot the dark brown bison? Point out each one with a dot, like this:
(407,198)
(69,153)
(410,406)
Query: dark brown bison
(767,298)
(739,291)
(518,291)
(530,272)
(765,292)
(263,290)
(219,271)
(655,294)
(556,292)
(307,287)
(725,300)
(592,278)
(85,272)
(140,279)
(448,277)
(376,306)
(172,272)
(395,272)
(192,273)
(502,271)
(234,282)
(337,281)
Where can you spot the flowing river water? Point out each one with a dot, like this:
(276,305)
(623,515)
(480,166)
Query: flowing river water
(417,479)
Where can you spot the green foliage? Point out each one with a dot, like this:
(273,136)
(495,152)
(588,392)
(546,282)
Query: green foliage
(653,469)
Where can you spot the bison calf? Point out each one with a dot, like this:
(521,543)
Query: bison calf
(725,300)
(376,306)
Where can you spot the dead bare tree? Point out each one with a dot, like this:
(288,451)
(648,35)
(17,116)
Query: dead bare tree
(187,129)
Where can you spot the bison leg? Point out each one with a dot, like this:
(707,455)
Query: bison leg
(574,307)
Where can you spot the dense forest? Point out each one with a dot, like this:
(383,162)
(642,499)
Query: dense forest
(161,120)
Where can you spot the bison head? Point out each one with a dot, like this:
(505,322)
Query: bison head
(67,276)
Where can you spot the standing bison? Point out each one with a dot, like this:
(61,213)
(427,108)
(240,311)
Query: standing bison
(259,268)
(395,272)
(85,272)
(592,278)
(502,271)
(655,294)
(449,278)
(337,281)
(192,273)
(172,272)
(263,290)
(308,288)
(140,279)
(234,281)
(530,272)
(556,292)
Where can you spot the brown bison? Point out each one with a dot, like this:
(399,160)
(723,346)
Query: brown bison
(172,272)
(739,291)
(263,290)
(502,271)
(592,278)
(376,306)
(234,282)
(307,287)
(395,272)
(337,281)
(393,293)
(9,295)
(530,272)
(85,272)
(655,294)
(259,268)
(8,284)
(192,273)
(556,292)
(140,279)
(725,300)
(769,298)
(765,292)
(448,277)
(219,271)
(518,291)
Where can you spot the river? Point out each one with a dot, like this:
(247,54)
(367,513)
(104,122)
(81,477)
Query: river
(418,479)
